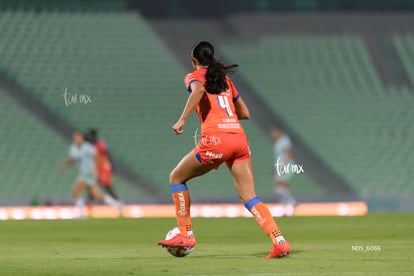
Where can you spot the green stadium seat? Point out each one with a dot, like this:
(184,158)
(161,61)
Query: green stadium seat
(31,154)
(327,90)
(137,92)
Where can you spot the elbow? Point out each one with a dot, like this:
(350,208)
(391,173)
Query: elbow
(244,116)
(243,113)
(247,114)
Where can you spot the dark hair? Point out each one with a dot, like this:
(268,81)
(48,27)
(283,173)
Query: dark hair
(216,71)
(93,135)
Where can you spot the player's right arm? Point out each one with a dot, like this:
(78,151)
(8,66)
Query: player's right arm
(70,160)
(66,164)
(197,92)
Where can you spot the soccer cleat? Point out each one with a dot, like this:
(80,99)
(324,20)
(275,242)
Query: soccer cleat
(279,250)
(178,240)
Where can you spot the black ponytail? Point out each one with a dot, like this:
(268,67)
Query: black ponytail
(216,71)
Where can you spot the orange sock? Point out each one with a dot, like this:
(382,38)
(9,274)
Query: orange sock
(264,218)
(181,198)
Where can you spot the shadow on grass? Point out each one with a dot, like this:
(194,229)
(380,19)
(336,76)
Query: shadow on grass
(247,255)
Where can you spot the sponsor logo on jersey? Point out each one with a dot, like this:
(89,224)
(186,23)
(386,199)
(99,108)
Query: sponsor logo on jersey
(214,155)
(228,125)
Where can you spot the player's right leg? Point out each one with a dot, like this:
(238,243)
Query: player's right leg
(282,191)
(77,194)
(244,181)
(189,167)
(284,196)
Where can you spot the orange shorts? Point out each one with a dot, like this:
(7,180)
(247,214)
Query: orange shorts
(105,177)
(215,148)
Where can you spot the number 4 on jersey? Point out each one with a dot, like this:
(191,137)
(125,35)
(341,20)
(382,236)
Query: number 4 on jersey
(224,103)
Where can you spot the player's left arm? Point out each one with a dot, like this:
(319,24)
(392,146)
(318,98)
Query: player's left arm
(242,110)
(197,92)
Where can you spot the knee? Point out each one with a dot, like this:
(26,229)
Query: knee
(96,194)
(173,177)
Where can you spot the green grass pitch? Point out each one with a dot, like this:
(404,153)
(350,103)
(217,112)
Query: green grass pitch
(376,244)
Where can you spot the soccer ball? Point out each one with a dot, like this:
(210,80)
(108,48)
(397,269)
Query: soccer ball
(177,251)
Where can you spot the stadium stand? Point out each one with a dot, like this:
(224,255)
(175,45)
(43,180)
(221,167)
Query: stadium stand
(327,90)
(325,87)
(102,55)
(110,56)
(31,154)
(404,45)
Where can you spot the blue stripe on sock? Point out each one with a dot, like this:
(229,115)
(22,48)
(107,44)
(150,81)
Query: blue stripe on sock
(178,187)
(249,205)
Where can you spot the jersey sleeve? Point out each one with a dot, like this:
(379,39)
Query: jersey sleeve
(71,152)
(234,92)
(189,79)
(285,143)
(288,143)
(91,149)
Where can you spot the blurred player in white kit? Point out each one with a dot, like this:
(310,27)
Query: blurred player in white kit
(282,163)
(84,154)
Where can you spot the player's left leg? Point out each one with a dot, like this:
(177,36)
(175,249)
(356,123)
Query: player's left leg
(189,167)
(105,181)
(98,195)
(109,190)
(89,202)
(244,181)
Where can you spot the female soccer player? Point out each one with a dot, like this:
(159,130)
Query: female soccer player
(85,155)
(219,108)
(103,163)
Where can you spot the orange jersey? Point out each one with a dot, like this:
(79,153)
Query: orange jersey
(216,112)
(103,165)
(103,159)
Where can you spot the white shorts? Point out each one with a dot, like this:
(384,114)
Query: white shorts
(87,178)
